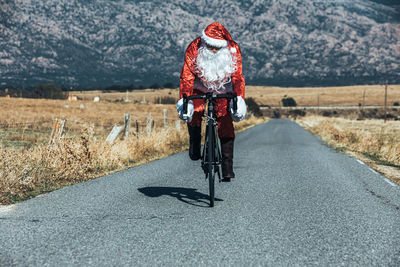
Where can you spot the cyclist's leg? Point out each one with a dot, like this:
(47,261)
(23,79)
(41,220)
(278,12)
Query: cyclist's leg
(226,135)
(224,119)
(194,128)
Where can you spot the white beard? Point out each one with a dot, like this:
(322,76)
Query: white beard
(215,69)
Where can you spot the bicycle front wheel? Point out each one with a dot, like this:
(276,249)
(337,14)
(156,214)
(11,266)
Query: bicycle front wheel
(210,162)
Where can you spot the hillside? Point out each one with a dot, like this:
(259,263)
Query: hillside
(99,43)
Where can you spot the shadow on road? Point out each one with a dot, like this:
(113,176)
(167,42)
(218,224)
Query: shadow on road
(187,195)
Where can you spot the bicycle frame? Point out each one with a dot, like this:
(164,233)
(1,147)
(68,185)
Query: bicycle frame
(213,144)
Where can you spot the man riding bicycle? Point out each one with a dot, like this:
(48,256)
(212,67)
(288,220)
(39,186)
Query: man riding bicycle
(213,63)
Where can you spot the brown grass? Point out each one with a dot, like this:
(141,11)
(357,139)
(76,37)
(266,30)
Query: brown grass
(29,172)
(328,96)
(136,96)
(272,95)
(26,122)
(83,154)
(375,142)
(28,166)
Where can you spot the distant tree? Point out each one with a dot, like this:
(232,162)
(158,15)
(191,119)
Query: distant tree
(155,86)
(49,91)
(166,100)
(168,85)
(288,102)
(116,87)
(253,107)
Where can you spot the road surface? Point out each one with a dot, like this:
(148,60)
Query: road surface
(295,202)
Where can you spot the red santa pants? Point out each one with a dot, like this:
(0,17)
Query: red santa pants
(223,115)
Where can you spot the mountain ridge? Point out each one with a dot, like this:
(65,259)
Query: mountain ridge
(100,43)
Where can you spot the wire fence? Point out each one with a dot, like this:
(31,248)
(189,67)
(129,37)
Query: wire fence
(27,134)
(33,124)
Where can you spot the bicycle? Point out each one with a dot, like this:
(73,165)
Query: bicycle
(211,157)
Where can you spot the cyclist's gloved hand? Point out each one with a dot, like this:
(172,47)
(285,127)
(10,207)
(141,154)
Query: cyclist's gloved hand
(241,110)
(190,109)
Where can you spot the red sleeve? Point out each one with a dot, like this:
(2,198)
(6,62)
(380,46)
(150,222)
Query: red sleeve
(188,70)
(238,80)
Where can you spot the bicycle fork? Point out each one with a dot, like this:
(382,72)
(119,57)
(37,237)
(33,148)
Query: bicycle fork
(215,148)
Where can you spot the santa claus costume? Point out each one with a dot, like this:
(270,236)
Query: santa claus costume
(213,63)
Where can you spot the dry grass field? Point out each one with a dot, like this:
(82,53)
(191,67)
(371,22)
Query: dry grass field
(272,95)
(29,166)
(24,122)
(135,96)
(373,141)
(328,96)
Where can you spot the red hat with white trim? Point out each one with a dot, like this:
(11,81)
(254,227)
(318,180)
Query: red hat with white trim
(216,35)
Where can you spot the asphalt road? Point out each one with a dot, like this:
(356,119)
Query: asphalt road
(295,202)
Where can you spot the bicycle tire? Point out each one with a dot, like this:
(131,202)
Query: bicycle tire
(210,162)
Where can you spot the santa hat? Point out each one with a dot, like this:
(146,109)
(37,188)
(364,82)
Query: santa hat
(216,35)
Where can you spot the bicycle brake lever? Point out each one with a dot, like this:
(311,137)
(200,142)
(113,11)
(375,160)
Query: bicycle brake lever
(235,103)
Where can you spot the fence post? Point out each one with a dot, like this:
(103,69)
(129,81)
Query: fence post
(137,128)
(116,130)
(385,110)
(178,125)
(165,118)
(127,97)
(149,124)
(57,131)
(53,132)
(363,102)
(127,125)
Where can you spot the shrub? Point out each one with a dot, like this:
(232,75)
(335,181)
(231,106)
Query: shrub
(49,91)
(166,100)
(289,102)
(388,116)
(253,107)
(155,86)
(396,104)
(168,85)
(297,112)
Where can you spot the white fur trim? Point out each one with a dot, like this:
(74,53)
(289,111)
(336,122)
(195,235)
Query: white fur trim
(233,50)
(213,41)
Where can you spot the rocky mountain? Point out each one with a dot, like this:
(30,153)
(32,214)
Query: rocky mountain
(288,42)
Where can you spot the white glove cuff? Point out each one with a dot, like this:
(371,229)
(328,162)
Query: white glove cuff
(240,113)
(190,110)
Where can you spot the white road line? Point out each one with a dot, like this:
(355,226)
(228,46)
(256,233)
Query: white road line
(372,170)
(6,209)
(390,182)
(384,178)
(359,161)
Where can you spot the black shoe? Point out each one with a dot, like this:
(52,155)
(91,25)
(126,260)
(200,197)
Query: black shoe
(227,158)
(195,142)
(226,180)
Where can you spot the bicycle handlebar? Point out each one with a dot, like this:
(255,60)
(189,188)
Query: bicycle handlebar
(209,96)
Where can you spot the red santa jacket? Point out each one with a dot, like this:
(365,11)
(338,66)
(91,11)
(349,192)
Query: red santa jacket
(188,74)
